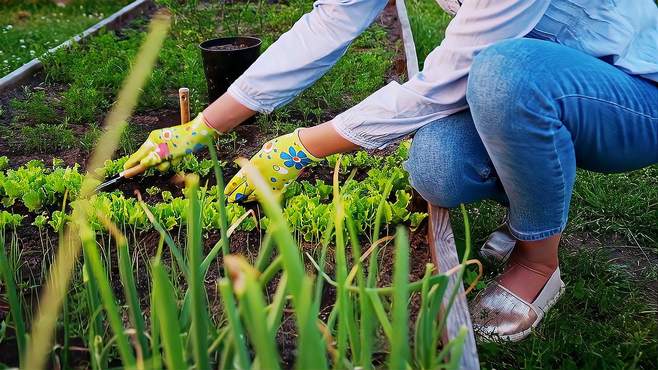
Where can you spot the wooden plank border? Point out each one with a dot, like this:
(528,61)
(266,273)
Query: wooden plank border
(407,39)
(114,21)
(440,235)
(444,257)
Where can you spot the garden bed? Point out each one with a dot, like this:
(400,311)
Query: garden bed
(30,28)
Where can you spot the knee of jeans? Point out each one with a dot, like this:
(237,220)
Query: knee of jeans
(500,77)
(434,170)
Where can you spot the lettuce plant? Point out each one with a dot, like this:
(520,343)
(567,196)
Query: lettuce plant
(10,220)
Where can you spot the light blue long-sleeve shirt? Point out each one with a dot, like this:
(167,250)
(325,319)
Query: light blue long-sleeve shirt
(622,32)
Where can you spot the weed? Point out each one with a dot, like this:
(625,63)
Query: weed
(4,163)
(44,138)
(428,24)
(89,138)
(34,108)
(597,206)
(81,104)
(131,138)
(230,140)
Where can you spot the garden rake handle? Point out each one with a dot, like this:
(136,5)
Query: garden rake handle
(133,171)
(184,102)
(125,174)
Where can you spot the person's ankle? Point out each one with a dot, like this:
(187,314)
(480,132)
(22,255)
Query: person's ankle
(526,279)
(542,267)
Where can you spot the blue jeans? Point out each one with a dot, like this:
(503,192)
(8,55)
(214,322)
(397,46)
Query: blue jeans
(537,111)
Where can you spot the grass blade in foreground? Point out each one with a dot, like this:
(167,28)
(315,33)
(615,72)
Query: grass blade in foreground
(156,360)
(235,325)
(365,313)
(221,200)
(128,282)
(169,328)
(277,305)
(59,275)
(306,359)
(253,307)
(347,327)
(291,260)
(130,291)
(14,302)
(199,329)
(101,282)
(400,345)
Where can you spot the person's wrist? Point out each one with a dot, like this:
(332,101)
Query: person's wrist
(201,118)
(226,113)
(308,151)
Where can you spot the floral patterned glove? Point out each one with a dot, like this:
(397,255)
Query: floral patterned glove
(171,143)
(280,161)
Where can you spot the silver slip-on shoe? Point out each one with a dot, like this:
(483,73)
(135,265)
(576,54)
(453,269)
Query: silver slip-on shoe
(499,246)
(498,313)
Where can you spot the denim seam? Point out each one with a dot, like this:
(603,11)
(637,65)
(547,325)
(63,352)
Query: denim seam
(565,201)
(538,235)
(606,101)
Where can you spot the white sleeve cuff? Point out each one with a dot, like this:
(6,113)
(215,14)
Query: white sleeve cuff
(247,100)
(352,135)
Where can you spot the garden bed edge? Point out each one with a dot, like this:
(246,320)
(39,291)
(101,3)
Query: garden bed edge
(115,20)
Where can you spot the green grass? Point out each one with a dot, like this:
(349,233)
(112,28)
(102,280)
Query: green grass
(131,138)
(601,322)
(620,208)
(29,28)
(43,138)
(34,108)
(428,23)
(80,103)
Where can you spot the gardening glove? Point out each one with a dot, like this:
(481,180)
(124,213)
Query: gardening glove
(169,144)
(280,161)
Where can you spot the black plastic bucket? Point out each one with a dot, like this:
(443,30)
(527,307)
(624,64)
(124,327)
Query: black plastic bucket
(225,59)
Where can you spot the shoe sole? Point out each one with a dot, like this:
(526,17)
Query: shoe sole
(522,335)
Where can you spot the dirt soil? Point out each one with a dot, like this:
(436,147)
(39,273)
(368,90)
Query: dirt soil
(228,47)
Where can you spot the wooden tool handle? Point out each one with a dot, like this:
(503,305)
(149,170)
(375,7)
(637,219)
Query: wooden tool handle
(133,171)
(184,102)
